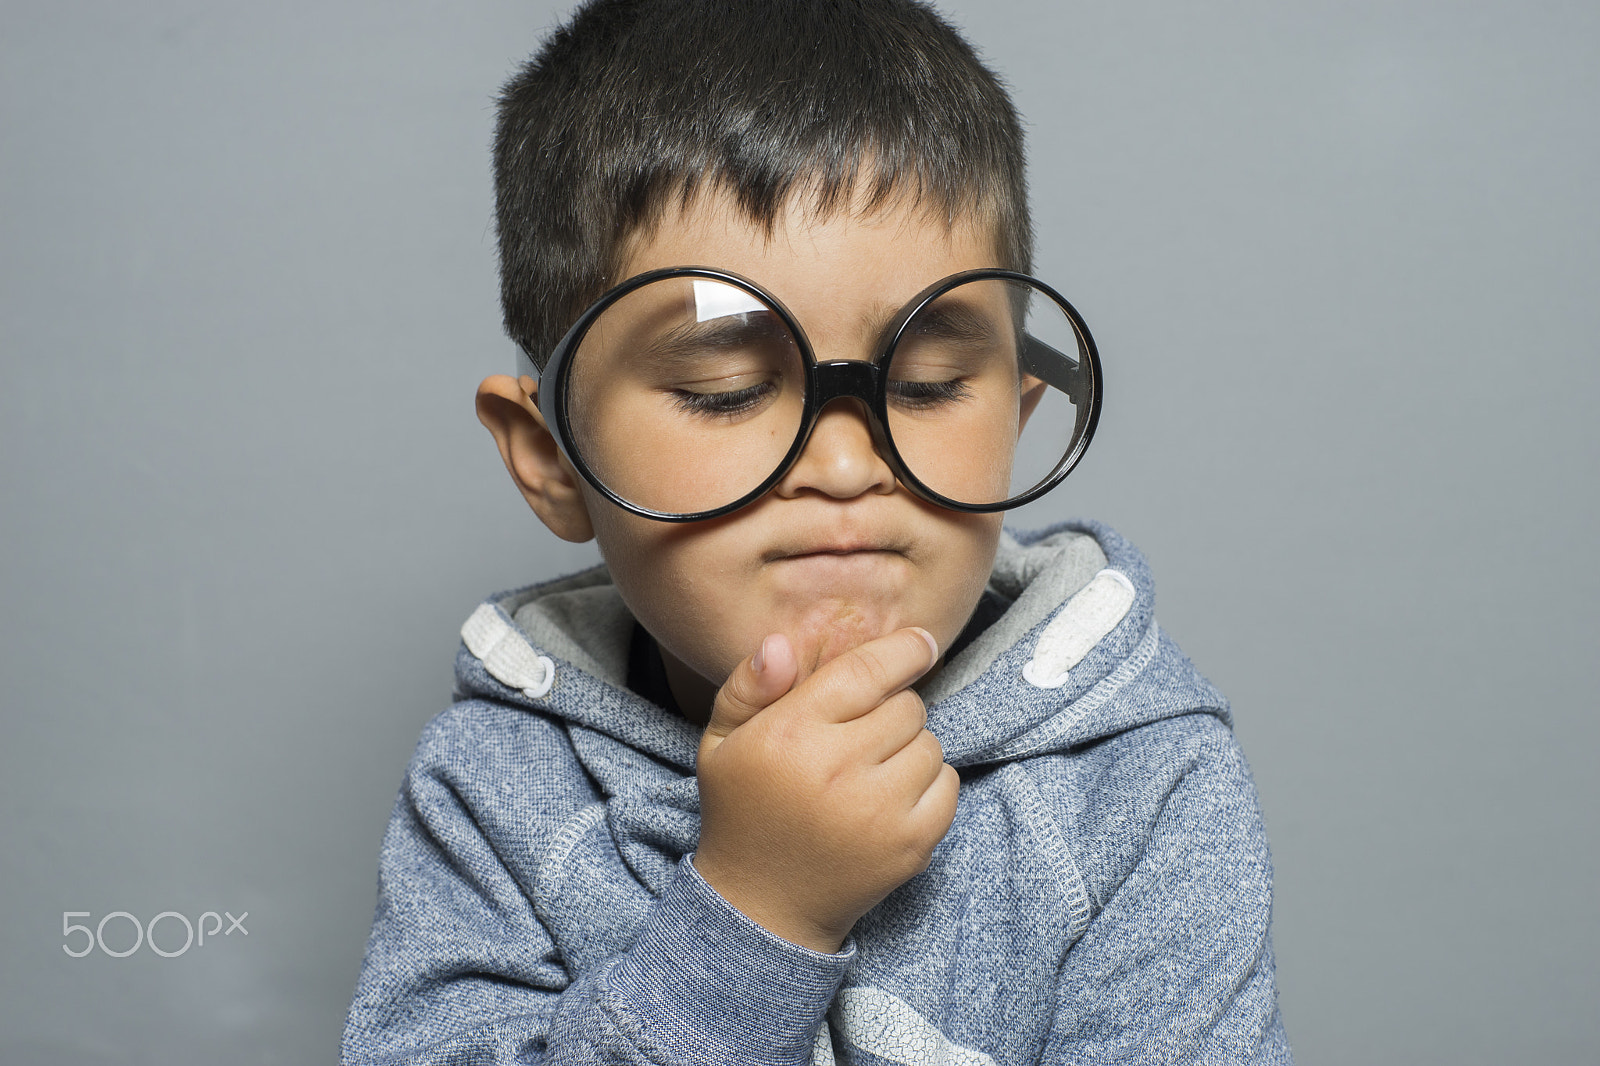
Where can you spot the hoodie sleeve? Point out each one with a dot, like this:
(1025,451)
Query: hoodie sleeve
(460,969)
(1175,964)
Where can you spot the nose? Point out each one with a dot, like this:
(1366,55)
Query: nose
(840,459)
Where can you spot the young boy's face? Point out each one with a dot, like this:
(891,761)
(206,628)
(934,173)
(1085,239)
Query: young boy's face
(838,552)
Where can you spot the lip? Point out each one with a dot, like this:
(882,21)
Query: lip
(832,547)
(830,572)
(811,532)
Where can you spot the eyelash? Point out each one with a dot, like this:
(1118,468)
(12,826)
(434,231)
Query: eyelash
(926,394)
(722,404)
(916,395)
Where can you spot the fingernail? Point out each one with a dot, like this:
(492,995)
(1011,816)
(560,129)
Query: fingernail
(758,661)
(933,645)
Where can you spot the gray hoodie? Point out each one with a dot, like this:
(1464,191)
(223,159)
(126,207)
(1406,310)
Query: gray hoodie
(1104,894)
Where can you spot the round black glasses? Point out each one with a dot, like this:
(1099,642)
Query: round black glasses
(687,393)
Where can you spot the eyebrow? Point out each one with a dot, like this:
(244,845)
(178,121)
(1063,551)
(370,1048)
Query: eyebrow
(689,340)
(956,322)
(945,318)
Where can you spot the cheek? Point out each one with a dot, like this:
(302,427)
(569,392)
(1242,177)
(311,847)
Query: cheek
(679,583)
(965,454)
(967,557)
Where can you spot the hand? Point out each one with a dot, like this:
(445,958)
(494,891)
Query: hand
(819,799)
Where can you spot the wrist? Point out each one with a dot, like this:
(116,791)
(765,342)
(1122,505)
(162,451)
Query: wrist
(703,983)
(773,911)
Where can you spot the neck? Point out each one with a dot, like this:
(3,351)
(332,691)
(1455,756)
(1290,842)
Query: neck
(694,693)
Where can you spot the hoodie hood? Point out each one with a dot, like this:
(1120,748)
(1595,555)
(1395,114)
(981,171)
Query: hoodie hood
(1075,657)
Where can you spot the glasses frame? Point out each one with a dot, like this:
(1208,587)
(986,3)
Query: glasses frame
(866,381)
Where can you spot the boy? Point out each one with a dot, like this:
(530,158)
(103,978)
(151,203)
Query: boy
(821,766)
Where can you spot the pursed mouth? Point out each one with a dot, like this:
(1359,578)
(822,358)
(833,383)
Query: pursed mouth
(822,551)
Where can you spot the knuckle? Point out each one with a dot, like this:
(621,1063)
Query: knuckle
(919,852)
(931,754)
(871,671)
(905,707)
(742,691)
(951,780)
(728,709)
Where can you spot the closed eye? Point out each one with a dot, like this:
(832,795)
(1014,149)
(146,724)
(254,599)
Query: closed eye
(727,405)
(925,395)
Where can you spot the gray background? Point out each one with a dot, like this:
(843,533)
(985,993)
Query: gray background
(1341,259)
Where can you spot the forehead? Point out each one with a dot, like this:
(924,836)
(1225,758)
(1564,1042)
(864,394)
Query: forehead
(834,269)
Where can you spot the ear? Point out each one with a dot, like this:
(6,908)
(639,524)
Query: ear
(1031,395)
(509,409)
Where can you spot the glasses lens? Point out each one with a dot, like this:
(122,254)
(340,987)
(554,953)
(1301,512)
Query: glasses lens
(684,395)
(984,391)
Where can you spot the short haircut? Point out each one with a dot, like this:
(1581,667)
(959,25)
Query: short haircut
(849,104)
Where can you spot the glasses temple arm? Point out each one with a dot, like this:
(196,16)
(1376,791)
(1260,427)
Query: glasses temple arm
(1052,367)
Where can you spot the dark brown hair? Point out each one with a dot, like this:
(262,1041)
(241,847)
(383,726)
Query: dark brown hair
(633,104)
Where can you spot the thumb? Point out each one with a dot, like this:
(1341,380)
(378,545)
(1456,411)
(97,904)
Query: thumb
(755,684)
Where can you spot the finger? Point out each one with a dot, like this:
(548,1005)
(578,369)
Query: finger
(754,685)
(884,731)
(914,769)
(935,810)
(862,678)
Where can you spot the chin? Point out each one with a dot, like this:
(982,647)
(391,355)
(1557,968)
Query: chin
(827,629)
